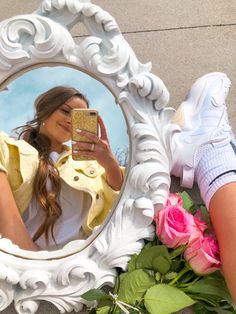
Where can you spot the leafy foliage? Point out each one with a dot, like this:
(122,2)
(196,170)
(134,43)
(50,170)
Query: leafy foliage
(160,281)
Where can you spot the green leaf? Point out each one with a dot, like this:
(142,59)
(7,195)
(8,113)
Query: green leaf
(205,215)
(121,277)
(210,286)
(134,285)
(146,257)
(95,294)
(203,309)
(199,308)
(118,281)
(219,310)
(171,275)
(178,251)
(116,310)
(103,310)
(148,245)
(206,298)
(164,299)
(187,201)
(161,264)
(132,263)
(158,276)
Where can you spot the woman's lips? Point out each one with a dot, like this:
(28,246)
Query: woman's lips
(68,130)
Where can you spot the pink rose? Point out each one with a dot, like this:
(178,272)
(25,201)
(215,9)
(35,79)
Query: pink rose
(174,199)
(202,254)
(199,221)
(174,225)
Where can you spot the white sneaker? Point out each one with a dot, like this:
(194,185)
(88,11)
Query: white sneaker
(203,120)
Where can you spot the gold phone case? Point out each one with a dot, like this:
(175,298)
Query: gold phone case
(83,119)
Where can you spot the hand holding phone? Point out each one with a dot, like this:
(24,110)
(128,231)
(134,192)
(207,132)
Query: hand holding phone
(91,146)
(85,120)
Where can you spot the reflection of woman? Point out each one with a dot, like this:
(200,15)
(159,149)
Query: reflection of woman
(45,194)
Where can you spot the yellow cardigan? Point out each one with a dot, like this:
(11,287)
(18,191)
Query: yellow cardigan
(19,160)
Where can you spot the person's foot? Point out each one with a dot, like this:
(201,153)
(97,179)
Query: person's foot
(204,121)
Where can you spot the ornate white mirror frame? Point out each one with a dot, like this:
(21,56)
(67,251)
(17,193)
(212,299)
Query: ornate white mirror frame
(34,40)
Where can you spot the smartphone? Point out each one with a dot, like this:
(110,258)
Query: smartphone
(87,120)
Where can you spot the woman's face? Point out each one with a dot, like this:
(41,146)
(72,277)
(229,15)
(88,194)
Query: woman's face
(57,127)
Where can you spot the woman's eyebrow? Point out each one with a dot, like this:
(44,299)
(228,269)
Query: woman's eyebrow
(67,106)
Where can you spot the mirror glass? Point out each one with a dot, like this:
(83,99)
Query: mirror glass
(17,107)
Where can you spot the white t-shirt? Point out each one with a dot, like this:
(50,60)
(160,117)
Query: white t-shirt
(74,205)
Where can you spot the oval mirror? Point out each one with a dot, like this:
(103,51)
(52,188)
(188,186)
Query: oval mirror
(17,108)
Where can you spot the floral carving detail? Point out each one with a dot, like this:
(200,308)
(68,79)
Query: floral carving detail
(29,37)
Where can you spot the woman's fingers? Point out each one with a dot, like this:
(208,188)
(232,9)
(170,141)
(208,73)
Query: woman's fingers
(98,147)
(94,137)
(103,129)
(91,136)
(82,146)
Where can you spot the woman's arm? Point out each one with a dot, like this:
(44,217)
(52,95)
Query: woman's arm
(114,175)
(11,224)
(102,152)
(223,216)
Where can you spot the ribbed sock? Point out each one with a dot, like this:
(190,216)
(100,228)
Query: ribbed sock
(216,167)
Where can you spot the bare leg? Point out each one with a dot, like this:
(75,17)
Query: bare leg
(222,209)
(11,224)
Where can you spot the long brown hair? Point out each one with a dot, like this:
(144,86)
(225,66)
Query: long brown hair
(47,174)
